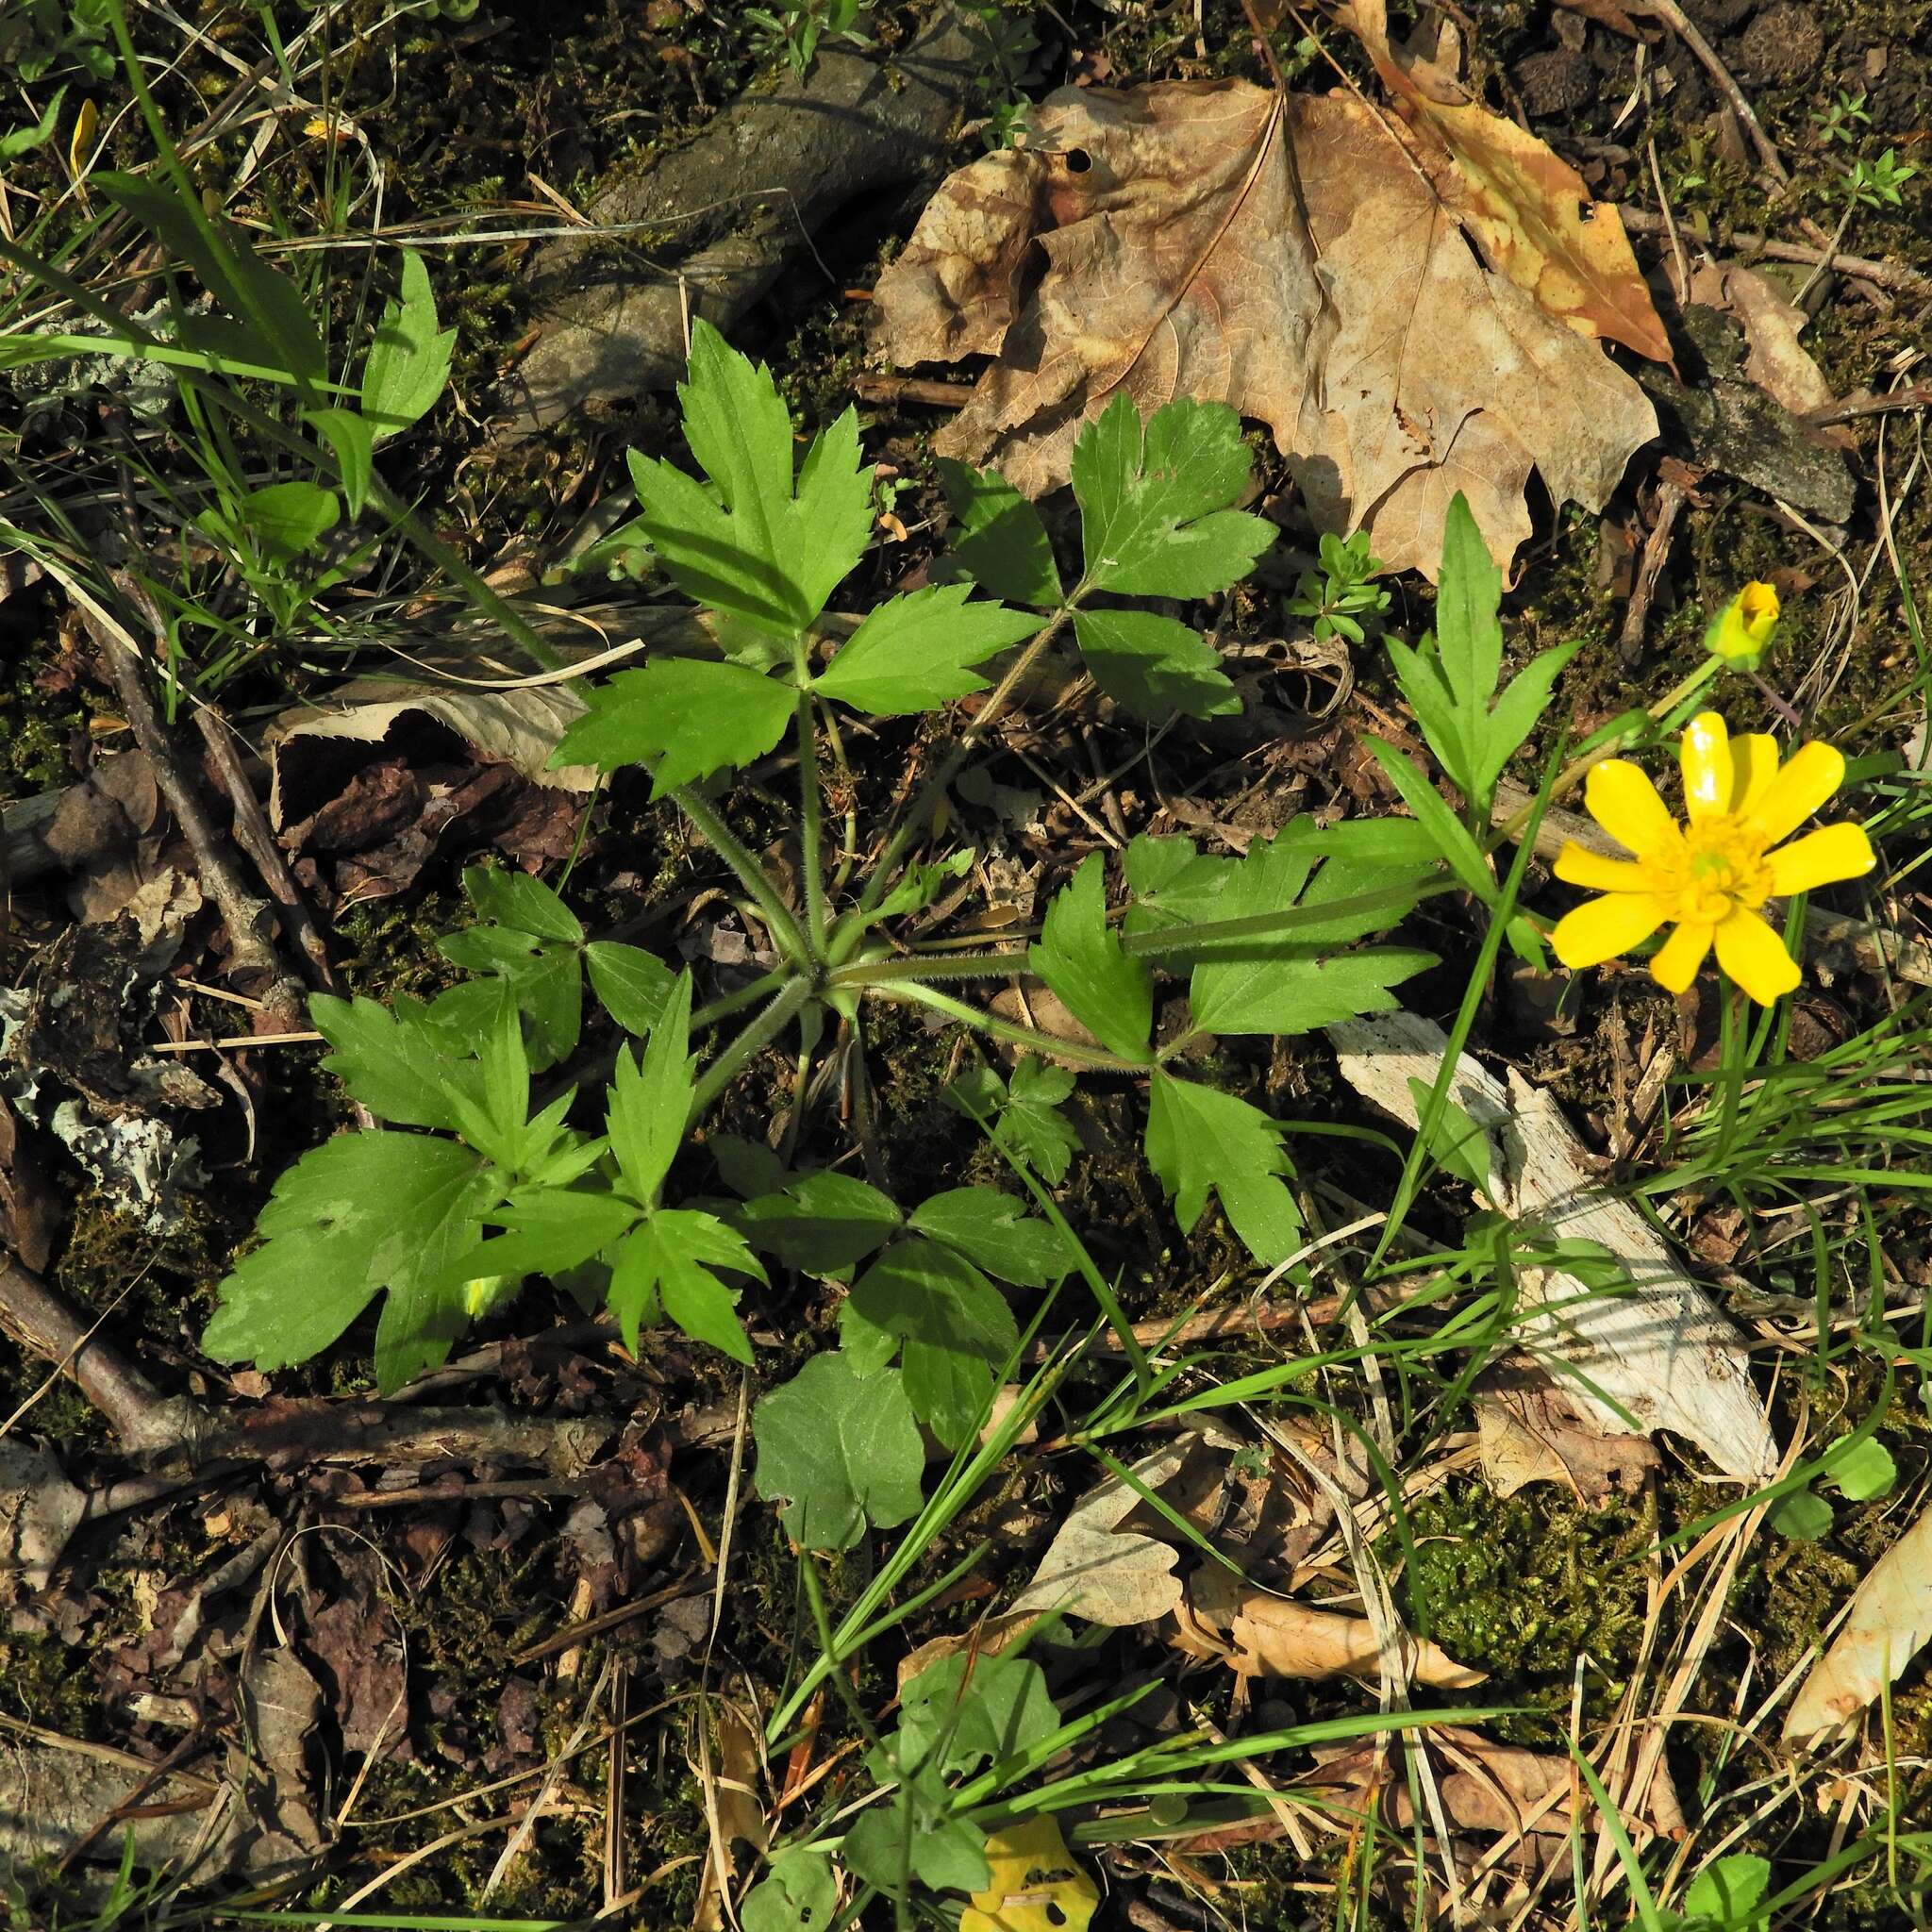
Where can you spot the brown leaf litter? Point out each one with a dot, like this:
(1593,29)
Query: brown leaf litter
(1310,261)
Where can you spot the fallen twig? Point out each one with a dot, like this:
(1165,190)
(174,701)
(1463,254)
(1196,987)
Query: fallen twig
(1674,485)
(253,835)
(1851,409)
(245,917)
(1886,275)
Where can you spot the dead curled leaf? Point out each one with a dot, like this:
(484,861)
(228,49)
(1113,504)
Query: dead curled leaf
(1307,261)
(1096,1572)
(1888,1624)
(1528,1432)
(1484,1786)
(1775,360)
(1258,1634)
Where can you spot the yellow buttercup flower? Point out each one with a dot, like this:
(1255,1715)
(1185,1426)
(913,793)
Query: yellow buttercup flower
(1708,876)
(1741,631)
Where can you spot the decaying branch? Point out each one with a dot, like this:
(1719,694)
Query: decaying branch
(245,917)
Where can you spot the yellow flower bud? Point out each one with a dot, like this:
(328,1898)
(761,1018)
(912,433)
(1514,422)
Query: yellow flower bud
(1741,633)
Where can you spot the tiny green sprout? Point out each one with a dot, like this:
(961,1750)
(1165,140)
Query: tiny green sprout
(1876,184)
(1836,121)
(1342,599)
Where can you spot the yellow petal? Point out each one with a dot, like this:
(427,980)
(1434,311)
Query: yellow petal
(1757,611)
(1754,759)
(1599,930)
(1036,1884)
(1815,772)
(1577,865)
(1832,852)
(1754,957)
(1680,957)
(1708,775)
(1625,804)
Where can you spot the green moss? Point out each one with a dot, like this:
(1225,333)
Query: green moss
(1521,1586)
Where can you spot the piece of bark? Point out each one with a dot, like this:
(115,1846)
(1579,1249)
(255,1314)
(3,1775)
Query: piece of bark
(746,195)
(1660,1349)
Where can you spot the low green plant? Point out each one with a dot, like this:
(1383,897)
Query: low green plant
(1340,598)
(1006,44)
(1877,184)
(798,26)
(1841,117)
(1266,944)
(279,410)
(42,37)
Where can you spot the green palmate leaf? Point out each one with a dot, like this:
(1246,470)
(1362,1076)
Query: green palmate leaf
(994,1232)
(401,1070)
(1803,1516)
(632,983)
(541,977)
(750,544)
(1862,1472)
(910,654)
(1173,885)
(1110,994)
(1154,665)
(1298,990)
(1288,984)
(838,1448)
(280,330)
(1200,1142)
(684,717)
(955,1326)
(825,1223)
(1451,835)
(521,903)
(967,1710)
(408,357)
(359,1214)
(1004,546)
(650,1100)
(353,443)
(799,1893)
(666,1265)
(550,1231)
(1731,1893)
(1154,502)
(1025,1118)
(1451,681)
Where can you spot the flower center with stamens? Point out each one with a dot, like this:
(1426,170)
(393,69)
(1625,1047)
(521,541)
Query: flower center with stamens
(1722,867)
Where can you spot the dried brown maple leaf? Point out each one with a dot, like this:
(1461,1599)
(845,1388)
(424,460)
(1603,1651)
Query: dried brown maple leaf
(1527,209)
(1287,255)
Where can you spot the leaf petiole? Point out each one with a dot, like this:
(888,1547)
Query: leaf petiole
(1048,1045)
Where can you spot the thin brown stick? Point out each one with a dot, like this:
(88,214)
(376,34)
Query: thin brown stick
(253,835)
(1886,275)
(1675,18)
(42,1318)
(913,389)
(245,917)
(1852,410)
(1672,492)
